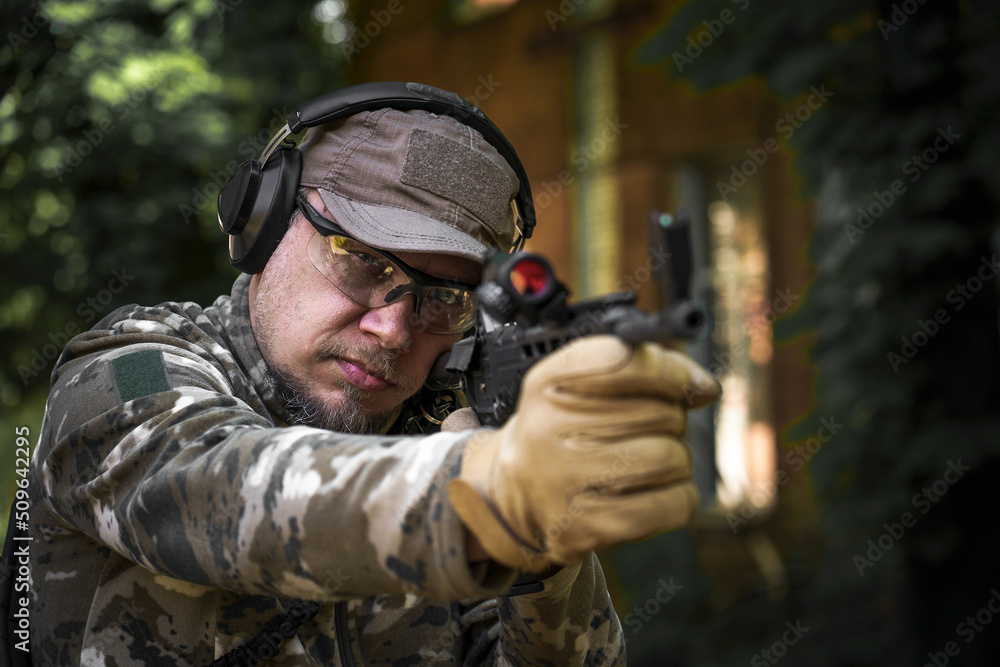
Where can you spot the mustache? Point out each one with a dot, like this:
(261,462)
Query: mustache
(377,361)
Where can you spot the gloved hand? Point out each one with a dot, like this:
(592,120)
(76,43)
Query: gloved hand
(590,458)
(460,420)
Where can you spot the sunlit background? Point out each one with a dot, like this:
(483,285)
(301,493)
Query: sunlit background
(840,165)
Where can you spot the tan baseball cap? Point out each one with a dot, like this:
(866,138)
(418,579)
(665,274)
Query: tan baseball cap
(412,181)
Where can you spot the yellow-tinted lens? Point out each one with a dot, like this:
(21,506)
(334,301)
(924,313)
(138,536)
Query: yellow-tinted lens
(367,276)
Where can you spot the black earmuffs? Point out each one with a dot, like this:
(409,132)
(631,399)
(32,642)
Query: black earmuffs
(258,200)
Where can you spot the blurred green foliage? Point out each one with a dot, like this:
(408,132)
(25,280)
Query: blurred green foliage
(901,74)
(119,120)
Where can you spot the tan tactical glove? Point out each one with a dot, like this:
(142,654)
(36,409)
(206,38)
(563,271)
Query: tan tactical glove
(591,457)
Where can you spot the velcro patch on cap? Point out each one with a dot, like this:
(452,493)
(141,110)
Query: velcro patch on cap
(140,374)
(460,174)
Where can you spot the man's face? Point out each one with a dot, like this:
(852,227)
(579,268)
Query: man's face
(341,365)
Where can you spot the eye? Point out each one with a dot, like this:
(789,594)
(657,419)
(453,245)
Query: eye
(368,259)
(376,267)
(446,296)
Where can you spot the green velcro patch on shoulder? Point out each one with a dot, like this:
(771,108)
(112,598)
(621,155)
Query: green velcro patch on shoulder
(140,374)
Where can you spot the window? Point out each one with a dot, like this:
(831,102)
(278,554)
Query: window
(467,11)
(734,440)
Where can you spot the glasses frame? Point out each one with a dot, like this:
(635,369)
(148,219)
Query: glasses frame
(418,279)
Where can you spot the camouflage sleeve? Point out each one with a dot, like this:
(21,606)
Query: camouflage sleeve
(151,447)
(570,622)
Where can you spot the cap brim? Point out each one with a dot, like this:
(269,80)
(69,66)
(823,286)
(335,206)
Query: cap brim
(396,229)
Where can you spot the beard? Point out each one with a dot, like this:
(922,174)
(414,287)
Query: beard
(303,402)
(348,415)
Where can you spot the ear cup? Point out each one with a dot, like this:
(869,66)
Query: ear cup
(258,216)
(257,202)
(238,196)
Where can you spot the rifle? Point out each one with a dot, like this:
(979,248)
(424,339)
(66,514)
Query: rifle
(523,316)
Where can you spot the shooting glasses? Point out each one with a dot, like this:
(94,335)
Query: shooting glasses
(376,278)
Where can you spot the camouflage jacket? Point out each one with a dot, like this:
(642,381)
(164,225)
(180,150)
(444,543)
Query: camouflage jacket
(175,514)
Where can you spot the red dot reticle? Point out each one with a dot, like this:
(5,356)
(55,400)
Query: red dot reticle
(530,277)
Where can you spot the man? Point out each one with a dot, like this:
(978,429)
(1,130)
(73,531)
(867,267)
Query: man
(200,470)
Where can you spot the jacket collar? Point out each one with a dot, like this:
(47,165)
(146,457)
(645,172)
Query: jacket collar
(235,312)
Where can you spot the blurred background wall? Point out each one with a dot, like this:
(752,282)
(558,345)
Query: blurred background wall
(840,167)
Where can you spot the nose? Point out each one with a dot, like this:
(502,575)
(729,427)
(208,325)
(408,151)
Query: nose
(391,324)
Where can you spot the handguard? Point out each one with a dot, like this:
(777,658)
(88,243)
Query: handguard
(524,316)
